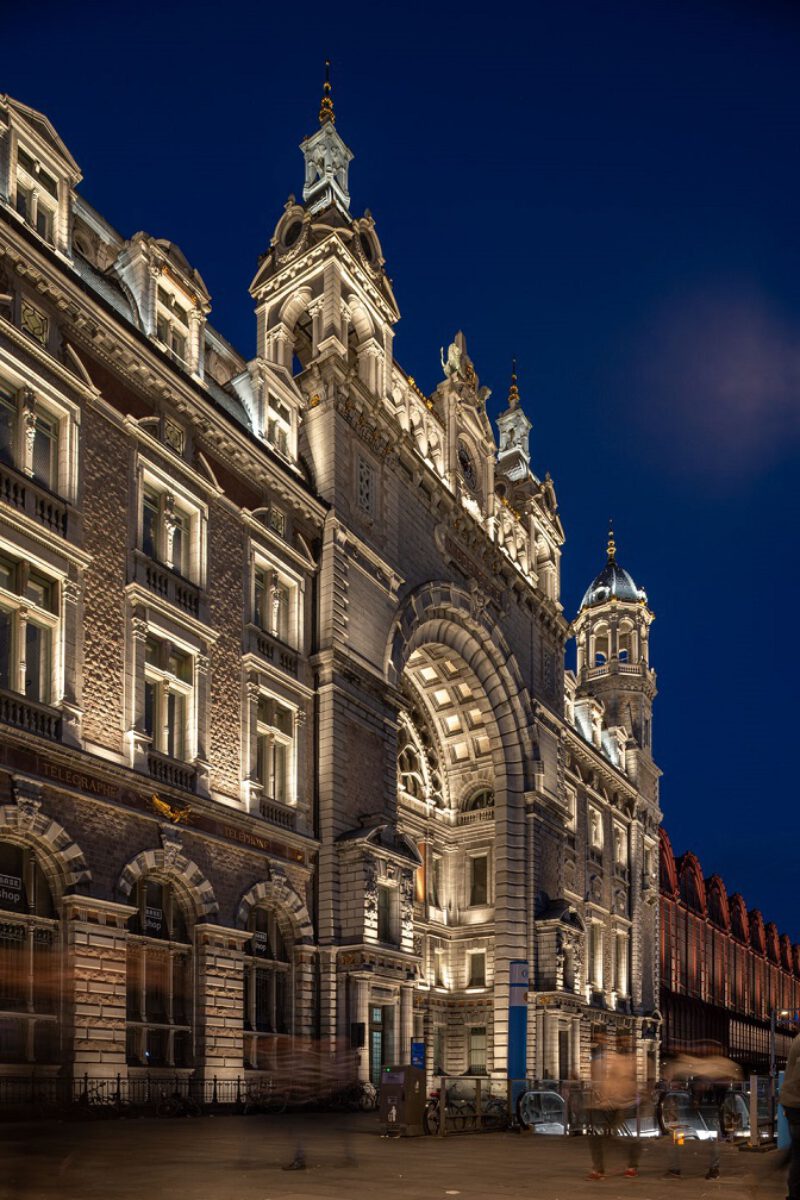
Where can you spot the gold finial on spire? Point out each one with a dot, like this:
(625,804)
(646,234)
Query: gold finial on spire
(326,113)
(513,391)
(612,545)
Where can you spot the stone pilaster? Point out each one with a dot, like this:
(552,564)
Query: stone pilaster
(95,948)
(220,1000)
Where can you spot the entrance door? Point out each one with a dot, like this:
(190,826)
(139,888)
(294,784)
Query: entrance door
(381,1040)
(376,1045)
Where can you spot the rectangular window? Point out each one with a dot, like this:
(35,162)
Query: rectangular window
(621,964)
(30,434)
(477,969)
(596,956)
(477,1051)
(275,750)
(388,911)
(278,425)
(45,451)
(438,967)
(151,513)
(6,651)
(28,631)
(479,879)
(275,600)
(170,530)
(8,429)
(168,696)
(172,325)
(37,662)
(436,881)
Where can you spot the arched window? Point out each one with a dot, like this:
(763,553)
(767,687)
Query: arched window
(625,642)
(29,974)
(602,646)
(159,979)
(267,989)
(484,798)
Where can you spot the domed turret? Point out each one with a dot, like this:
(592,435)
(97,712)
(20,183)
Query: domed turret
(613,583)
(611,631)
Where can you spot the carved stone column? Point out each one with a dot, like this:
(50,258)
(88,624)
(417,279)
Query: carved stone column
(403,1049)
(360,1015)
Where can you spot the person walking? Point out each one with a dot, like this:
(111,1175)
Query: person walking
(708,1077)
(790,1100)
(613,1098)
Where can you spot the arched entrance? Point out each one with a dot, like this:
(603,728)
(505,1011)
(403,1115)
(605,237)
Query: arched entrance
(463,751)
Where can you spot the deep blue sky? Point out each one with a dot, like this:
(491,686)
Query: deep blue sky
(608,191)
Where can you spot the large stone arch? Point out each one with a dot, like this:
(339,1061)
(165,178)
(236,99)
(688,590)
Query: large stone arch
(448,615)
(278,893)
(176,868)
(61,858)
(441,613)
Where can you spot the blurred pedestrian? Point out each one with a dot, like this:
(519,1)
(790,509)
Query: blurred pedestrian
(708,1078)
(790,1100)
(612,1101)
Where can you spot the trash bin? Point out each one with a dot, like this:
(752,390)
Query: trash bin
(402,1101)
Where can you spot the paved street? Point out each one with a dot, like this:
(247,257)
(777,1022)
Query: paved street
(241,1158)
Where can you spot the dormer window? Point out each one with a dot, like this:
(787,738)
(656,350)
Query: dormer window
(172,325)
(37,195)
(279,426)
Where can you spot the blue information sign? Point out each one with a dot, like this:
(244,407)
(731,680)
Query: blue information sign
(418,1054)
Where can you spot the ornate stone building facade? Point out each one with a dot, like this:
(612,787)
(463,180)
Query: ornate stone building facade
(288,746)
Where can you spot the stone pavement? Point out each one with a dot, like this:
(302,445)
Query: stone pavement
(240,1158)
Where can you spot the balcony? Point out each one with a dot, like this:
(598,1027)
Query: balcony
(166,584)
(171,772)
(37,502)
(477,817)
(30,716)
(272,649)
(277,813)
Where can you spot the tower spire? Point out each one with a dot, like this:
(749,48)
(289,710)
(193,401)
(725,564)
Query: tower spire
(326,114)
(612,545)
(513,391)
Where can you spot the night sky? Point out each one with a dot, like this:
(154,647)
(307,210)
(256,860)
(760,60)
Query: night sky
(608,191)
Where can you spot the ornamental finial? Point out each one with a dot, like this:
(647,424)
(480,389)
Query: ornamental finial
(513,391)
(612,545)
(326,113)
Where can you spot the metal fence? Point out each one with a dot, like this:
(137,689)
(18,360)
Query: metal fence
(165,1094)
(469,1104)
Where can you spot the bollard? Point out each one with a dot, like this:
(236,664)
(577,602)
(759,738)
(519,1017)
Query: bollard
(442,1105)
(754,1138)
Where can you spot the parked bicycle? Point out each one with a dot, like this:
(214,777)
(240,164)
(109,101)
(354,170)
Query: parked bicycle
(459,1111)
(359,1096)
(176,1104)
